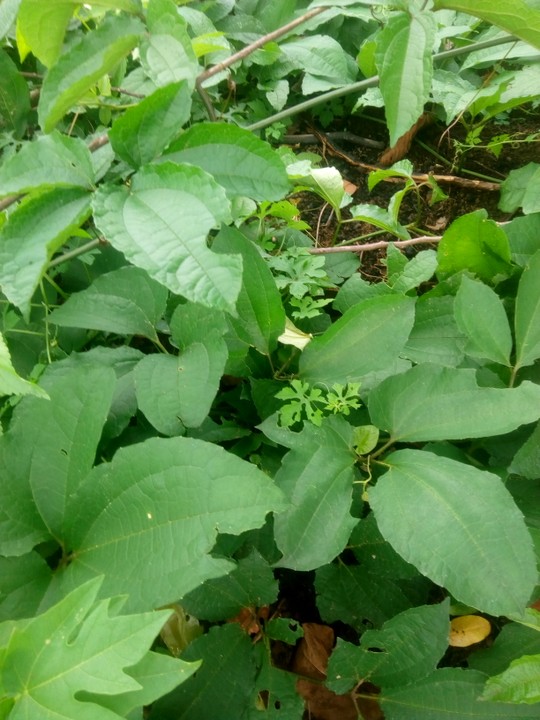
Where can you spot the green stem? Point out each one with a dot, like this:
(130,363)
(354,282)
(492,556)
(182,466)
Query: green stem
(77,251)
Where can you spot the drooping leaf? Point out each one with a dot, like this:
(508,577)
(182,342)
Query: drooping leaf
(480,314)
(426,505)
(316,477)
(34,232)
(83,64)
(261,317)
(48,161)
(429,402)
(239,161)
(406,649)
(403,57)
(125,301)
(175,494)
(78,646)
(527,317)
(474,243)
(144,131)
(14,97)
(144,223)
(10,382)
(366,338)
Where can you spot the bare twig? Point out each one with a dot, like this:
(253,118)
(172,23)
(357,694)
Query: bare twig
(98,142)
(423,240)
(9,200)
(128,92)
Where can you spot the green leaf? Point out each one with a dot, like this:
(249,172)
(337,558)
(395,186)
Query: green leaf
(322,59)
(125,301)
(379,217)
(144,131)
(434,403)
(520,189)
(24,581)
(493,568)
(175,494)
(474,243)
(368,337)
(193,323)
(526,461)
(178,392)
(34,232)
(435,337)
(513,641)
(451,693)
(480,314)
(77,646)
(10,382)
(43,26)
(14,98)
(250,584)
(317,478)
(8,14)
(527,318)
(239,161)
(83,64)
(403,57)
(143,223)
(406,649)
(523,234)
(261,317)
(48,161)
(418,270)
(518,684)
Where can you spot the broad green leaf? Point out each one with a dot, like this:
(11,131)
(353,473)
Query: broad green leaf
(239,161)
(435,337)
(250,584)
(429,402)
(527,318)
(144,131)
(317,478)
(326,182)
(467,535)
(322,59)
(379,217)
(403,57)
(10,382)
(178,392)
(406,649)
(83,64)
(517,684)
(78,646)
(450,693)
(34,232)
(276,686)
(368,337)
(14,98)
(23,582)
(175,494)
(480,314)
(474,243)
(517,17)
(193,323)
(419,269)
(43,26)
(222,687)
(125,301)
(513,641)
(8,14)
(261,317)
(48,161)
(160,224)
(520,189)
(523,234)
(526,461)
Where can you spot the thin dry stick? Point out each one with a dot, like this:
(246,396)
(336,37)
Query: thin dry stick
(425,239)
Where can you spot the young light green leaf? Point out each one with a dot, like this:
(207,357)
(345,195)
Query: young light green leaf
(317,477)
(492,569)
(435,337)
(239,161)
(451,693)
(14,97)
(517,684)
(261,317)
(8,14)
(403,57)
(375,215)
(143,223)
(10,382)
(527,317)
(144,131)
(43,26)
(480,314)
(83,64)
(368,337)
(33,233)
(48,161)
(326,182)
(175,494)
(474,243)
(178,392)
(429,402)
(125,301)
(77,646)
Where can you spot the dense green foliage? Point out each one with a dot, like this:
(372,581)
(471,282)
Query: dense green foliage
(198,409)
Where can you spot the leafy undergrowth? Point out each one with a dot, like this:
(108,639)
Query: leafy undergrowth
(270,417)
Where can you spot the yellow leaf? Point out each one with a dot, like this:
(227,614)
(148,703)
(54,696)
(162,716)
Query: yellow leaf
(468,630)
(294,336)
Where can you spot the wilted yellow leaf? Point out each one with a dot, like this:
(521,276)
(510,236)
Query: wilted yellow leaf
(294,336)
(468,629)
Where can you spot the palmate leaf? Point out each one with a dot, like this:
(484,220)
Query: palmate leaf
(80,646)
(459,526)
(160,224)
